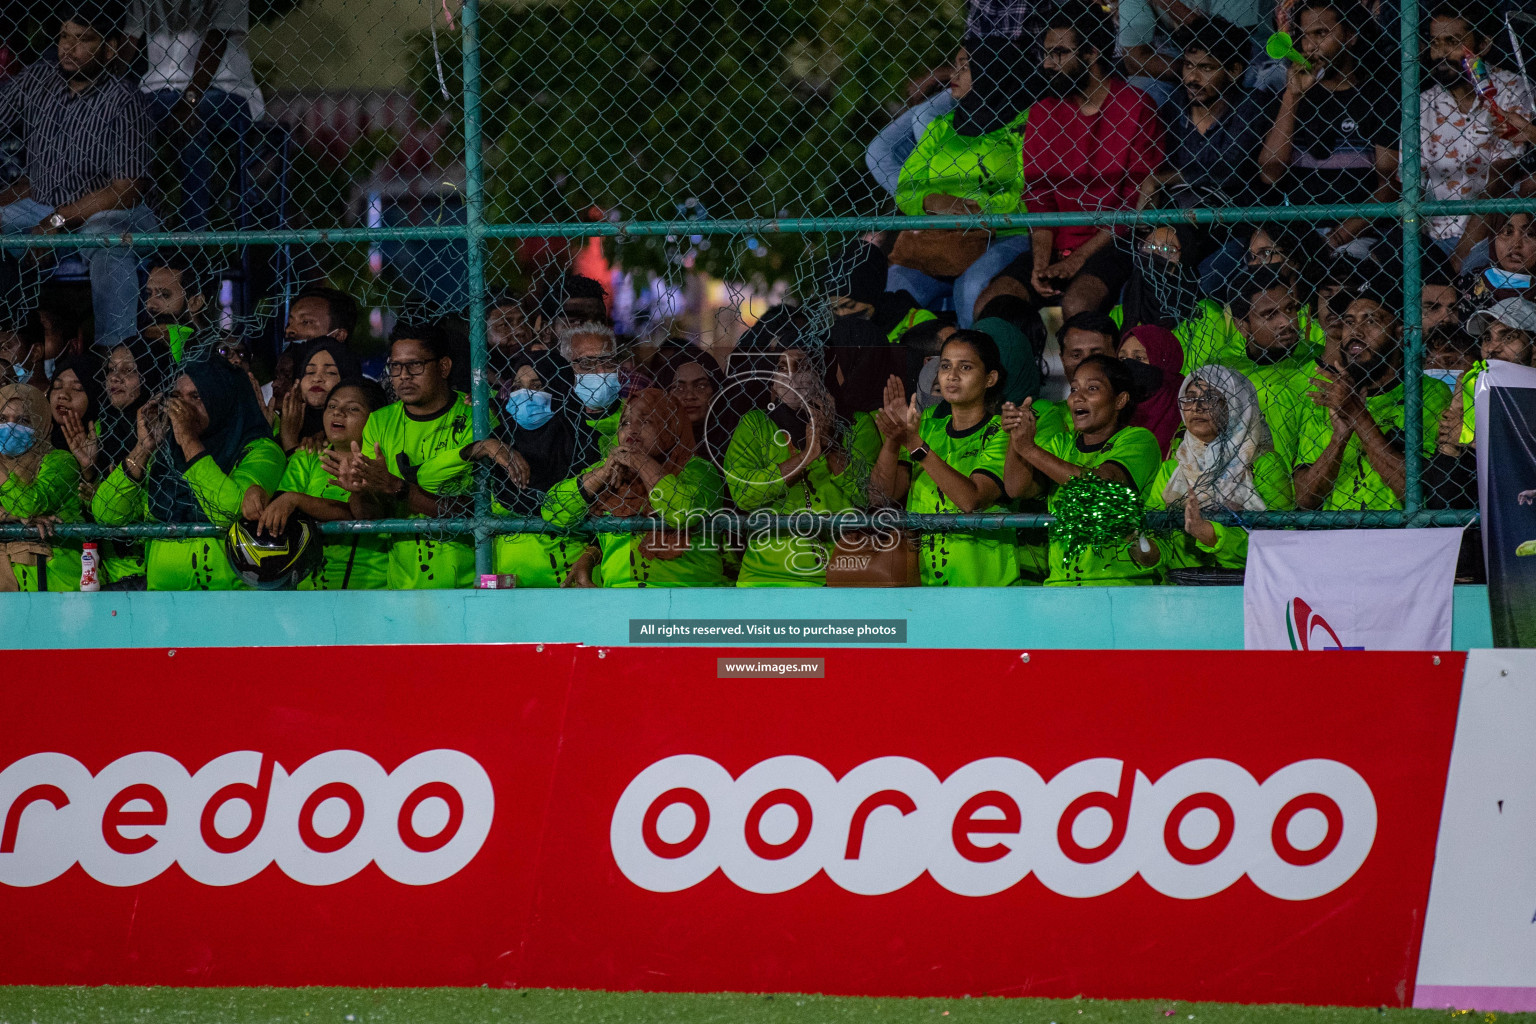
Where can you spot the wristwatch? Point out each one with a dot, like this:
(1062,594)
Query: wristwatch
(919,453)
(57,221)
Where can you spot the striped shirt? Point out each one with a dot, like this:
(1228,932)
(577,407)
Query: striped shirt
(1007,18)
(76,144)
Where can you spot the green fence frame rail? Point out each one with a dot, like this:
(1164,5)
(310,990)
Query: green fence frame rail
(475,232)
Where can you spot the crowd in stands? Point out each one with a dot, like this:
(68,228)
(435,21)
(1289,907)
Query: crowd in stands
(1208,368)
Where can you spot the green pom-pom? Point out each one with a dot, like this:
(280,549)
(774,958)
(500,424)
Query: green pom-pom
(1093,512)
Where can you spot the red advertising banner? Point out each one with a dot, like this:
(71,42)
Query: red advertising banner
(1212,825)
(1201,825)
(337,816)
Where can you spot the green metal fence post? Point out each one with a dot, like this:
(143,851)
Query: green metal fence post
(474,243)
(1413,310)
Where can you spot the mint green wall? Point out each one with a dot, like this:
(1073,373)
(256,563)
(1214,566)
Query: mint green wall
(1195,618)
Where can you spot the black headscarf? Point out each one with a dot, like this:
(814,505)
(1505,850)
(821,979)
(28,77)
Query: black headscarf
(858,273)
(347,363)
(863,358)
(235,421)
(779,328)
(549,449)
(1163,293)
(87,367)
(1005,81)
(117,429)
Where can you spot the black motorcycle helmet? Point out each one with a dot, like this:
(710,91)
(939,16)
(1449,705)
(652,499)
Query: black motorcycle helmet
(268,562)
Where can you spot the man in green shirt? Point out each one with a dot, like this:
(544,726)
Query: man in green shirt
(1266,311)
(1351,444)
(410,462)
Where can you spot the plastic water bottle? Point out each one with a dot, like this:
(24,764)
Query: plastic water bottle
(1482,84)
(90,582)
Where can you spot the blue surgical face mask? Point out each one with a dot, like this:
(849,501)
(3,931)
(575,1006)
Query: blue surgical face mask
(16,438)
(1498,278)
(1449,376)
(596,390)
(19,369)
(530,409)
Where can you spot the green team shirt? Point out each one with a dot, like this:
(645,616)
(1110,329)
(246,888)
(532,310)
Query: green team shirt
(1051,418)
(755,482)
(606,428)
(1134,449)
(543,560)
(984,558)
(196,563)
(985,169)
(54,491)
(1271,479)
(432,447)
(1282,389)
(1212,336)
(1466,386)
(359,562)
(121,559)
(1358,485)
(1217,338)
(680,500)
(538,560)
(910,319)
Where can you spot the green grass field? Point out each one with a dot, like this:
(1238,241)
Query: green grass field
(40,1005)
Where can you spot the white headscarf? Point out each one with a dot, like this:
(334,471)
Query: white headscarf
(1221,472)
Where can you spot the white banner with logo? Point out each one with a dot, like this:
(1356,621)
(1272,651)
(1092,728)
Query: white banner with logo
(1506,474)
(1350,590)
(1477,949)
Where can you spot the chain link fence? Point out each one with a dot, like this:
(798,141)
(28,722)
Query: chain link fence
(775,293)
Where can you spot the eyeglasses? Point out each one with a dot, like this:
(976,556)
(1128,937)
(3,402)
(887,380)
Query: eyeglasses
(594,364)
(407,367)
(1199,403)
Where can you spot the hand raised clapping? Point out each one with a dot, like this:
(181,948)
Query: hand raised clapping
(899,419)
(1021,424)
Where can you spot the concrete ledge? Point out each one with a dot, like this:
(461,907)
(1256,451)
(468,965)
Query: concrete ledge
(1173,618)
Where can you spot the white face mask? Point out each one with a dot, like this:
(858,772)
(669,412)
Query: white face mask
(1449,376)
